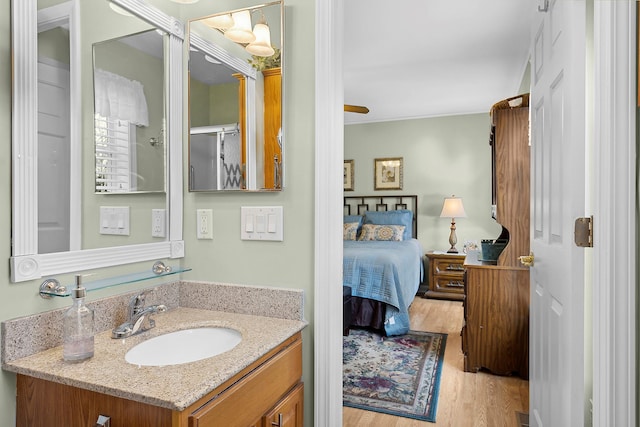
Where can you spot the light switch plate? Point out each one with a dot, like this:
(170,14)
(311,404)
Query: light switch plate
(114,220)
(261,223)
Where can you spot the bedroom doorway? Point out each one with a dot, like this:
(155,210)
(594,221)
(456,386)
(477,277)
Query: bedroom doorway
(614,257)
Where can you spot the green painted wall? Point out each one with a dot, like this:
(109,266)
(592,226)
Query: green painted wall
(442,156)
(225,258)
(224,104)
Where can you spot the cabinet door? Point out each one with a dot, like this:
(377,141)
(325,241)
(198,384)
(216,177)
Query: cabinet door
(251,397)
(289,411)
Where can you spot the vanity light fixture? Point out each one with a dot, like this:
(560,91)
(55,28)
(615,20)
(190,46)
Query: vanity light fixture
(261,46)
(241,30)
(220,22)
(453,208)
(236,26)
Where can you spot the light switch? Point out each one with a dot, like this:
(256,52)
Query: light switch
(114,220)
(272,225)
(261,223)
(248,226)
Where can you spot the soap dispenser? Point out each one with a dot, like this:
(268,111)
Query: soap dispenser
(78,327)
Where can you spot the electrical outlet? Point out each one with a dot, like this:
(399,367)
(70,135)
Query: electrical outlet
(204,224)
(158,223)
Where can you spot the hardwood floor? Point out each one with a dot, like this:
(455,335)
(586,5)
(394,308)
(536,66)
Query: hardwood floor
(465,399)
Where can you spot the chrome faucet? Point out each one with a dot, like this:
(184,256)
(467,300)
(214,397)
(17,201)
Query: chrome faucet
(139,317)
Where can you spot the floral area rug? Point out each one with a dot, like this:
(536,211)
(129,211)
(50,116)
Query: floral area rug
(397,375)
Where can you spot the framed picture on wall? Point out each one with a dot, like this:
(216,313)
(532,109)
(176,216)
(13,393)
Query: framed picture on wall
(348,175)
(387,173)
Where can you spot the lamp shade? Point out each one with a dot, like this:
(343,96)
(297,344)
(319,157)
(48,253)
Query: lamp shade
(241,30)
(452,208)
(261,46)
(221,22)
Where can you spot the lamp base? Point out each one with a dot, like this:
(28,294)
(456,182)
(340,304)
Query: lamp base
(452,251)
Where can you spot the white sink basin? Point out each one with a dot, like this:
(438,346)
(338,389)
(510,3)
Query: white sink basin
(184,346)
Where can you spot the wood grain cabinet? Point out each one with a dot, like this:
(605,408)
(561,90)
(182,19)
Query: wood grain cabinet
(268,393)
(496,297)
(445,276)
(495,335)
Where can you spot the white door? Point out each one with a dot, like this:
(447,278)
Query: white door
(556,372)
(53,159)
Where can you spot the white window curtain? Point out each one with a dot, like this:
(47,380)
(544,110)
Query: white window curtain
(120,98)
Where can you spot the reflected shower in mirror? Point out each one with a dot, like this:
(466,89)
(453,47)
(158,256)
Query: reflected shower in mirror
(235,87)
(129,124)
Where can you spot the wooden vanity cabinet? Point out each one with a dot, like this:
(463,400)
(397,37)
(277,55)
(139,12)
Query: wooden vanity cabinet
(268,390)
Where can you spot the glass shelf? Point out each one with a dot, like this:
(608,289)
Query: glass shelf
(52,287)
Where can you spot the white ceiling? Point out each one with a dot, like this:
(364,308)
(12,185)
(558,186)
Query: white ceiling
(423,58)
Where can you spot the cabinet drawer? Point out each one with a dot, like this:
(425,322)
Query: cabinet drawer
(448,266)
(254,395)
(449,283)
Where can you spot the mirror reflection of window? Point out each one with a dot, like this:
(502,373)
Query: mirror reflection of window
(115,155)
(129,111)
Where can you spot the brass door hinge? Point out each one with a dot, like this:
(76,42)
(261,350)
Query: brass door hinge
(584,232)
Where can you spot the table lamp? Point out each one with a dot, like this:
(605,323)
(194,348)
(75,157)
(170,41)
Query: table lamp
(452,208)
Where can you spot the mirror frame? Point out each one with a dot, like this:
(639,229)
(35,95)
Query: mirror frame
(25,262)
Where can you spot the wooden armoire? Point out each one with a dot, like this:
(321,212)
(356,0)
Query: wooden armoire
(495,335)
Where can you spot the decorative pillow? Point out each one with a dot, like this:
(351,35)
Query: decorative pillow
(350,231)
(381,232)
(353,218)
(397,217)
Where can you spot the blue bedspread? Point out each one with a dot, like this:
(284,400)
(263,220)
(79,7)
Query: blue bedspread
(389,272)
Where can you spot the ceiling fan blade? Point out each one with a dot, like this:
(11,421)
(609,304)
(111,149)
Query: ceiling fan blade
(356,109)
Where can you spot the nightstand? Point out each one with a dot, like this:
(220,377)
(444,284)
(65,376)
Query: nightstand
(446,275)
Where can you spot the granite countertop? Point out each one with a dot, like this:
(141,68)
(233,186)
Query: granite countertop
(173,387)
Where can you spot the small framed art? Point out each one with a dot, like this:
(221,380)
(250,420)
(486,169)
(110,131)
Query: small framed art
(387,173)
(348,175)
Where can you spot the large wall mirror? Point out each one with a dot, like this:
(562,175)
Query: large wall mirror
(235,100)
(65,163)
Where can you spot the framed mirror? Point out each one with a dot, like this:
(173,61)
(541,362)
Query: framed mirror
(84,247)
(235,100)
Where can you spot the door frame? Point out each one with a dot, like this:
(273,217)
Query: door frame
(614,207)
(614,199)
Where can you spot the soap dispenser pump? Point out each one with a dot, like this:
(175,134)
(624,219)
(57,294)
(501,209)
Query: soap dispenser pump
(78,327)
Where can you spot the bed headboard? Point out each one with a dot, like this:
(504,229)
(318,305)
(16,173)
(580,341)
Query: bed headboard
(357,205)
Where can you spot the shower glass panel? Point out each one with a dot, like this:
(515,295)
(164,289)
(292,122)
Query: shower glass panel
(215,160)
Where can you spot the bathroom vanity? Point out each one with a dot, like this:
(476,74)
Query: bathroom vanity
(266,393)
(257,383)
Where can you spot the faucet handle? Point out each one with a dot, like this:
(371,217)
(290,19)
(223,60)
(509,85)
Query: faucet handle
(137,302)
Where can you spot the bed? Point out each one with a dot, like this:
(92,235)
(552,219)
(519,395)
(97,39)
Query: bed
(382,261)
